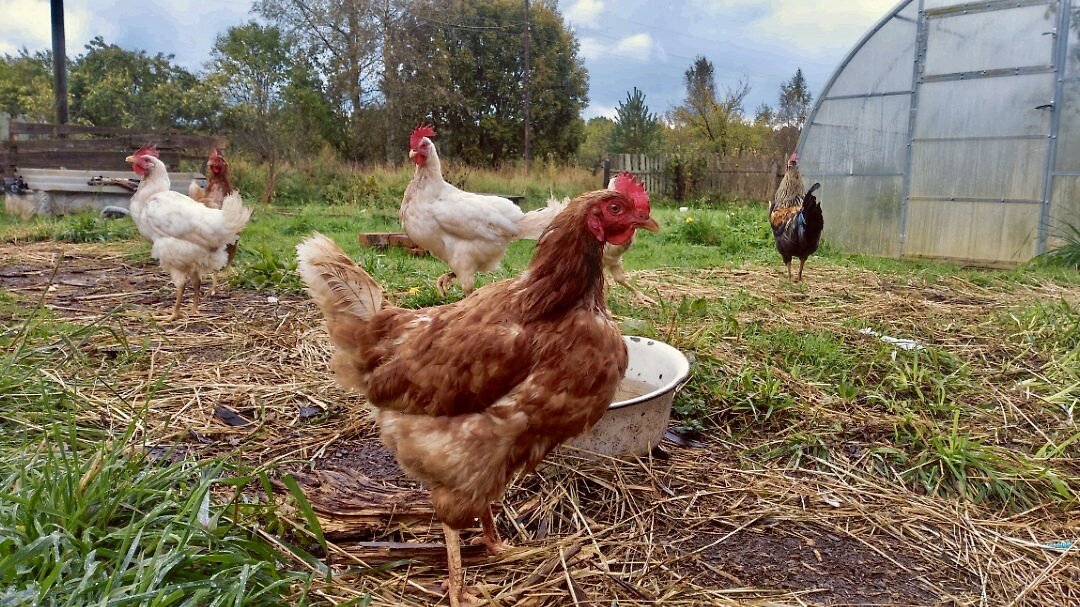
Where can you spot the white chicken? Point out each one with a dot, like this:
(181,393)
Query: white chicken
(470,232)
(188,238)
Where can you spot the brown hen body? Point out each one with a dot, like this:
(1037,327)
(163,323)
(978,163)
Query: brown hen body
(469,393)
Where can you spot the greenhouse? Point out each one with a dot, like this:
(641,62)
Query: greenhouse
(952,131)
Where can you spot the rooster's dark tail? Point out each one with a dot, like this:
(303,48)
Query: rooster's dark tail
(814,221)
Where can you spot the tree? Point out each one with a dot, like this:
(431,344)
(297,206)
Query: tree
(636,130)
(712,124)
(793,108)
(765,115)
(794,101)
(346,42)
(26,85)
(253,67)
(459,65)
(594,148)
(111,86)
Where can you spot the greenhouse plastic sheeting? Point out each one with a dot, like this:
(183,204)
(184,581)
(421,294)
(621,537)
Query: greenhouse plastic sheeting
(952,130)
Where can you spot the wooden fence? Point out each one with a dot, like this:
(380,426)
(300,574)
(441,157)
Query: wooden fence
(70,146)
(754,177)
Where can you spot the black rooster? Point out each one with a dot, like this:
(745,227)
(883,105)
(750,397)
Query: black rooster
(795,218)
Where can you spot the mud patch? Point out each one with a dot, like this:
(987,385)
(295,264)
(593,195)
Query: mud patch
(832,569)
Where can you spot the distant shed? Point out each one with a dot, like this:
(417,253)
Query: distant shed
(952,130)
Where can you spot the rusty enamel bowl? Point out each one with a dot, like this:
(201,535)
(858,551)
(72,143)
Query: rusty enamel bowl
(637,420)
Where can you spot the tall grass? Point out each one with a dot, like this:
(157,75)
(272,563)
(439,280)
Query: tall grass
(1067,254)
(327,180)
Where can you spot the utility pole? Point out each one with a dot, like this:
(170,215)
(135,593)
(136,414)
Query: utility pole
(59,62)
(528,149)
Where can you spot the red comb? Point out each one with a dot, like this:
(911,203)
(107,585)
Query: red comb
(626,185)
(215,153)
(424,130)
(147,150)
(794,157)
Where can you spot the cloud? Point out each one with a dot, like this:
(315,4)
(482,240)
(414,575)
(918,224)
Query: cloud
(590,48)
(585,13)
(636,46)
(820,26)
(29,25)
(594,109)
(184,28)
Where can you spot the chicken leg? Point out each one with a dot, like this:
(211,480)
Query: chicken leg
(459,597)
(787,262)
(197,296)
(490,539)
(801,262)
(179,299)
(620,277)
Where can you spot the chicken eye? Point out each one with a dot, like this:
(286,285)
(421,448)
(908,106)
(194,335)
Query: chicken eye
(615,209)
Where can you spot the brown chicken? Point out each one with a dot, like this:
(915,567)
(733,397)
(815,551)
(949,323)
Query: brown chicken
(469,393)
(795,217)
(217,188)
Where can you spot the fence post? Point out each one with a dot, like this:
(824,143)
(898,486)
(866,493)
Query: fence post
(607,173)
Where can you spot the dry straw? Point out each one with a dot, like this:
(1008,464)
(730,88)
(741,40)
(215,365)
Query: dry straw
(692,526)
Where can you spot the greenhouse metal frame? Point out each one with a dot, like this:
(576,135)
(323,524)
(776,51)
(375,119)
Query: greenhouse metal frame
(951,130)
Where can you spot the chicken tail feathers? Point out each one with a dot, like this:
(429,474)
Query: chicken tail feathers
(234,214)
(335,282)
(812,210)
(195,191)
(532,224)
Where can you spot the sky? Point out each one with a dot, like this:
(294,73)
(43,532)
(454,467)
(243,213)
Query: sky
(625,43)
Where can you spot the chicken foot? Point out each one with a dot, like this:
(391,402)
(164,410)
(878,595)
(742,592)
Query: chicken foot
(443,283)
(490,538)
(459,596)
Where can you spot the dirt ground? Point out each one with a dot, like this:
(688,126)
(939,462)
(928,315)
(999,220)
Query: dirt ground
(686,528)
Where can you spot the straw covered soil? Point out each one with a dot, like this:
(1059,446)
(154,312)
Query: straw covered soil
(696,523)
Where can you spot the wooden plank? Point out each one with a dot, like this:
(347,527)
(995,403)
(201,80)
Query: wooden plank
(91,159)
(61,180)
(741,175)
(121,144)
(140,135)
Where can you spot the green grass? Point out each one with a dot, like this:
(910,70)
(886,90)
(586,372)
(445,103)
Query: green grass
(1067,254)
(88,517)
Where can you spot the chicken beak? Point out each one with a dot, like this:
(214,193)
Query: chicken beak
(651,225)
(129,159)
(412,153)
